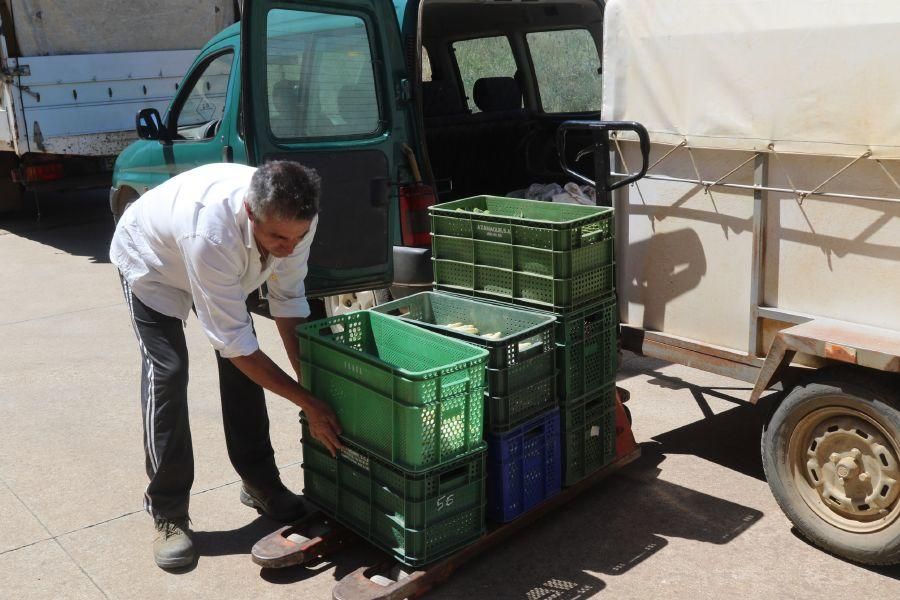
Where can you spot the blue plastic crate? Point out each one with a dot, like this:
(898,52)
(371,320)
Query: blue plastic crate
(524,467)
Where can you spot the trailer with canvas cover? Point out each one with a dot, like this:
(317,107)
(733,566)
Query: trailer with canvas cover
(762,243)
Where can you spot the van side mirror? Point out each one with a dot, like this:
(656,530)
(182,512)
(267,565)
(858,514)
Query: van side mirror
(149,125)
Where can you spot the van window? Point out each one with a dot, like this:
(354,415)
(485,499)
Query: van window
(320,81)
(482,58)
(567,67)
(204,103)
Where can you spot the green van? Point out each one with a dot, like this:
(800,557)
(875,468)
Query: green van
(396,104)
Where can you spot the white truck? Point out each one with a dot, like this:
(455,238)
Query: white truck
(764,241)
(74,74)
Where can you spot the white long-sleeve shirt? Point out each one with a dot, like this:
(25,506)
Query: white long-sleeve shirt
(189,241)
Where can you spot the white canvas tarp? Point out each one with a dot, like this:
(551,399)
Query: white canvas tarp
(51,27)
(810,76)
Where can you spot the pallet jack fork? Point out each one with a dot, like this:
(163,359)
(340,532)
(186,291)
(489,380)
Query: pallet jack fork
(316,536)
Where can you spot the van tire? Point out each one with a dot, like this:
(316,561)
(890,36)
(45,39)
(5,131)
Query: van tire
(826,415)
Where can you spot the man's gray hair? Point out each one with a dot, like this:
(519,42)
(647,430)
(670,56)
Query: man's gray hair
(284,190)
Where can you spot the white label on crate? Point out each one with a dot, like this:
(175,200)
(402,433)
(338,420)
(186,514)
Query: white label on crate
(595,431)
(492,231)
(444,501)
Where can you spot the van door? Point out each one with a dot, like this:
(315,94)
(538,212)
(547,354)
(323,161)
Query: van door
(197,119)
(319,86)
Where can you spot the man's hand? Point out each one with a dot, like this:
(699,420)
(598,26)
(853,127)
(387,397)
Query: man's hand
(323,424)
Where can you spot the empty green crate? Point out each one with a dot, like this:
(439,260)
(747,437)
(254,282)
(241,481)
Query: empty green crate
(524,334)
(588,433)
(416,517)
(524,259)
(546,225)
(391,357)
(502,413)
(504,285)
(413,436)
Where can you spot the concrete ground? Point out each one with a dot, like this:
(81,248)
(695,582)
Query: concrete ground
(692,519)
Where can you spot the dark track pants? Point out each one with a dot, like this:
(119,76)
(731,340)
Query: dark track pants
(167,434)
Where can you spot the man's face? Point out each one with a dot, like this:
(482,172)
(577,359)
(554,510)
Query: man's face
(276,236)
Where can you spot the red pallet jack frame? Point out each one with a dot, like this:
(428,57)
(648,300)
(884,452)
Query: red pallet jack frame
(317,536)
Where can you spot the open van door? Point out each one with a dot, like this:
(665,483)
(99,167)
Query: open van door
(317,87)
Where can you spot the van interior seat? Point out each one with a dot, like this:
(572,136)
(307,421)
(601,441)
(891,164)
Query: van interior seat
(495,94)
(481,153)
(357,108)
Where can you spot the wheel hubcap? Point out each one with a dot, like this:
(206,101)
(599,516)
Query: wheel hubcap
(846,468)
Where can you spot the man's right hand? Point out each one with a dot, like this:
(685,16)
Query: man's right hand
(323,424)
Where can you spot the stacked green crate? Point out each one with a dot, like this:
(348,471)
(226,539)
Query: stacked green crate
(521,346)
(417,517)
(555,257)
(410,405)
(550,257)
(587,357)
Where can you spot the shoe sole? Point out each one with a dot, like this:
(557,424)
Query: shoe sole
(247,500)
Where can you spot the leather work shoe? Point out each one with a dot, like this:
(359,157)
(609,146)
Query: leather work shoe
(173,547)
(281,505)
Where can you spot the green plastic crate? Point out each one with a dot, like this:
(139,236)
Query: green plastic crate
(415,437)
(410,396)
(587,355)
(525,334)
(394,358)
(588,433)
(503,413)
(546,225)
(416,517)
(501,382)
(557,295)
(555,264)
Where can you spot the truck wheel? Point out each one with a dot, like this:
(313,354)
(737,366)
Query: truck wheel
(12,195)
(831,454)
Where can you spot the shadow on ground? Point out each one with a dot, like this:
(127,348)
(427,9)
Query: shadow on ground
(77,223)
(240,542)
(609,530)
(730,438)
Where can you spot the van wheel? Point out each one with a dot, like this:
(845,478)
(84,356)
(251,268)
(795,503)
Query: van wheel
(831,454)
(126,198)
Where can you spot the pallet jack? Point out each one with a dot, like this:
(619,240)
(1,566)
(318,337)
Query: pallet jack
(317,536)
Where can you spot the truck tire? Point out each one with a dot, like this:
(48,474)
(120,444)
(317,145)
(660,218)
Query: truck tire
(831,455)
(12,195)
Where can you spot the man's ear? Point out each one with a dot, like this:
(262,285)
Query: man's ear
(249,212)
